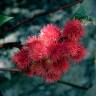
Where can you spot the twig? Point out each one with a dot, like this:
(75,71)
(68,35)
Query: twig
(64,83)
(10,45)
(28,20)
(61,82)
(10,69)
(73,85)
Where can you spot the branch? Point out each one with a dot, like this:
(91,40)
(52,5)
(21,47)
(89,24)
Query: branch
(61,82)
(10,45)
(64,83)
(10,69)
(74,85)
(28,20)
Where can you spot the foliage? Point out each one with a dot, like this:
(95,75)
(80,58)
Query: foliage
(4,19)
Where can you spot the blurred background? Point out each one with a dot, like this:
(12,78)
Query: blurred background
(83,74)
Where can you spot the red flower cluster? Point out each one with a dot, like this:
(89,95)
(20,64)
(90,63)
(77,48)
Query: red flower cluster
(73,30)
(48,54)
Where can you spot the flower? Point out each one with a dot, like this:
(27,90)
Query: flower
(50,33)
(62,65)
(50,71)
(54,71)
(54,51)
(70,48)
(36,48)
(80,54)
(52,76)
(22,58)
(36,70)
(48,54)
(73,30)
(73,50)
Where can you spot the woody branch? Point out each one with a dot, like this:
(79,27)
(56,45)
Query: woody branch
(28,20)
(60,82)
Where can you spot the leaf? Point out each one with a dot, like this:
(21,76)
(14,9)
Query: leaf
(79,14)
(85,19)
(4,19)
(83,13)
(89,20)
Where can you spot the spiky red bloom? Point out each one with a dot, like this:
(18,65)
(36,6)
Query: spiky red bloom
(53,50)
(36,48)
(45,70)
(50,33)
(54,71)
(73,30)
(22,58)
(52,76)
(74,50)
(80,53)
(36,70)
(47,55)
(48,70)
(61,65)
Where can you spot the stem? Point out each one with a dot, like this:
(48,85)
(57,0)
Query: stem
(73,85)
(60,82)
(10,45)
(28,20)
(10,69)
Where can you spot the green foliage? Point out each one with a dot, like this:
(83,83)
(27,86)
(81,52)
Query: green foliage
(4,19)
(85,19)
(83,13)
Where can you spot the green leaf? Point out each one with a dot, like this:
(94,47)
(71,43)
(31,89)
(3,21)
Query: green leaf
(79,14)
(4,19)
(89,20)
(85,19)
(83,11)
